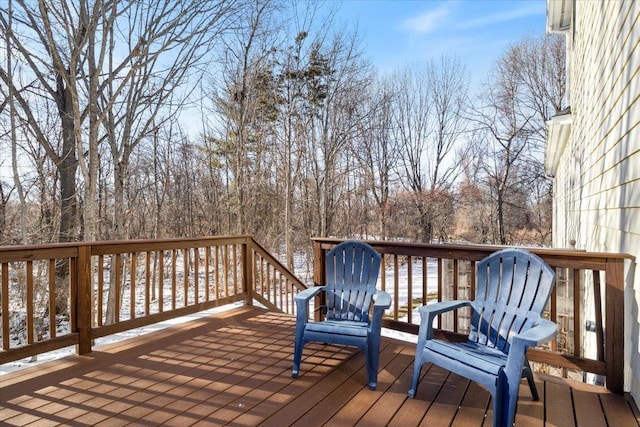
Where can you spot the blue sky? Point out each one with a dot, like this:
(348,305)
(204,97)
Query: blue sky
(397,33)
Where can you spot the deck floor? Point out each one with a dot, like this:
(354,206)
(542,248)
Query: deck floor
(234,368)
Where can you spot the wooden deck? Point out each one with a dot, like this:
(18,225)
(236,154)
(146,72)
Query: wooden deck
(235,368)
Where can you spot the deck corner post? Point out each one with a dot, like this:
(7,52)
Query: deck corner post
(319,274)
(614,324)
(83,300)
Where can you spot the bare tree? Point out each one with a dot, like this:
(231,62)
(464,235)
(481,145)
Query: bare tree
(428,112)
(55,74)
(412,131)
(167,45)
(110,67)
(540,63)
(522,93)
(448,92)
(13,131)
(336,78)
(245,110)
(289,143)
(377,150)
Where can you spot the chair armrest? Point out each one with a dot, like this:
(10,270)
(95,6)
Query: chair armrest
(302,302)
(442,307)
(544,331)
(430,311)
(309,293)
(381,301)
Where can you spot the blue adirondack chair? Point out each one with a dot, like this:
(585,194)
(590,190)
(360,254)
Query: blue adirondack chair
(352,269)
(513,287)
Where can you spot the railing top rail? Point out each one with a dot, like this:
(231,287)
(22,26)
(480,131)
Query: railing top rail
(112,246)
(284,270)
(33,253)
(103,248)
(475,252)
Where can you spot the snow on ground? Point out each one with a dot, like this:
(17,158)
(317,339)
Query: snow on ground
(100,342)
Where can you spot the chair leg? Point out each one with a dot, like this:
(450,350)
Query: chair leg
(505,401)
(372,366)
(528,374)
(297,356)
(417,367)
(500,401)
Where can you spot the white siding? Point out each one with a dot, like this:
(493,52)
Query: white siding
(597,184)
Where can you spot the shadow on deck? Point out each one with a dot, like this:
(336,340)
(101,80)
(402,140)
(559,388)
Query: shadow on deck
(235,368)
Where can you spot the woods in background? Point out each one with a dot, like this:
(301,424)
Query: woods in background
(124,120)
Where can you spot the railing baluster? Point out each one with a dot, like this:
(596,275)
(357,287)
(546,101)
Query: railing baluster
(234,257)
(216,268)
(160,281)
(577,317)
(52,298)
(174,278)
(31,327)
(425,281)
(409,288)
(440,289)
(196,275)
(118,278)
(472,290)
(5,306)
(72,280)
(132,286)
(456,283)
(396,287)
(185,275)
(207,263)
(383,273)
(147,284)
(553,314)
(274,284)
(100,289)
(225,255)
(597,302)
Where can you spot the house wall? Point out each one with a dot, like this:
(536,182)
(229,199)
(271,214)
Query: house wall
(597,182)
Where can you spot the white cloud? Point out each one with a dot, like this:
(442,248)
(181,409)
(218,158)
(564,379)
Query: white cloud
(426,22)
(499,17)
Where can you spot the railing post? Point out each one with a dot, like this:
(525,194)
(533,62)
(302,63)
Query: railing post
(319,275)
(614,329)
(83,299)
(248,267)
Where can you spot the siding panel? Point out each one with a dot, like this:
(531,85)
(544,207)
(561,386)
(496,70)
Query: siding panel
(597,184)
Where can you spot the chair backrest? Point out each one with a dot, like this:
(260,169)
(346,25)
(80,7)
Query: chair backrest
(352,269)
(513,287)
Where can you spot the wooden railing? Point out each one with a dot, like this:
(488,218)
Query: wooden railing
(58,295)
(447,272)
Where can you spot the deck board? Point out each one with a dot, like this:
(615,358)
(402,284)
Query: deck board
(530,413)
(473,407)
(444,408)
(558,404)
(235,369)
(588,409)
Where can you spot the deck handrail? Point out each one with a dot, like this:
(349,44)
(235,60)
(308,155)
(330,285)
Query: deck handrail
(575,270)
(202,273)
(195,274)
